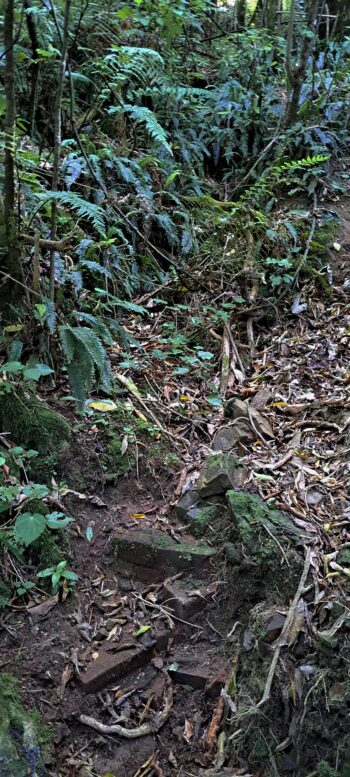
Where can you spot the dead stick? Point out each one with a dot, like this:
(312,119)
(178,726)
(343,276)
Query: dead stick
(291,612)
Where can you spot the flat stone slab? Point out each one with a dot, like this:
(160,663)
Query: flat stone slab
(117,659)
(152,548)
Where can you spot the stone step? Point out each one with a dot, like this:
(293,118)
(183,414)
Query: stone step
(153,548)
(118,659)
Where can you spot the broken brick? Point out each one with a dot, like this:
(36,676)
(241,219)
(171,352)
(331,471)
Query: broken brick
(115,660)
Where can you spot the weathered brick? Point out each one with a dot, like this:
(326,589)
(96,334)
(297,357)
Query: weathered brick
(157,549)
(183,602)
(116,660)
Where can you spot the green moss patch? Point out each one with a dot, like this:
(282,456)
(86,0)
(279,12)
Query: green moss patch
(23,739)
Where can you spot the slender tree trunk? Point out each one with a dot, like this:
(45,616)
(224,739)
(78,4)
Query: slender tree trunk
(241,10)
(34,67)
(296,75)
(12,258)
(57,140)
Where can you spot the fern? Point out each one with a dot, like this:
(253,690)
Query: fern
(143,115)
(84,209)
(86,360)
(298,164)
(99,327)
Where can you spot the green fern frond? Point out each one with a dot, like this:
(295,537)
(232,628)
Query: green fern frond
(67,342)
(97,325)
(84,209)
(92,344)
(86,360)
(143,115)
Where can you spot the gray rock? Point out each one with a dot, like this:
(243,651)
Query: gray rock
(220,472)
(236,408)
(186,504)
(229,437)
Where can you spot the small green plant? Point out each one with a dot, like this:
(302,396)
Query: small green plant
(60,576)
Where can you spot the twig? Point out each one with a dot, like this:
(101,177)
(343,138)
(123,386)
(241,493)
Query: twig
(139,731)
(291,613)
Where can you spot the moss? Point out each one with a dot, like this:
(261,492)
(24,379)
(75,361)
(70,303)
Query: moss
(325,770)
(33,425)
(201,518)
(24,740)
(120,463)
(50,548)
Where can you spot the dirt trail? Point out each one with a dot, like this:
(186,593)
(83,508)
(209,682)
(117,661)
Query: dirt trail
(109,650)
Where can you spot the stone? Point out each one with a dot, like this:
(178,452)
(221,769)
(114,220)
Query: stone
(343,557)
(220,472)
(185,602)
(199,672)
(229,437)
(250,515)
(22,737)
(115,661)
(236,408)
(152,548)
(186,504)
(197,512)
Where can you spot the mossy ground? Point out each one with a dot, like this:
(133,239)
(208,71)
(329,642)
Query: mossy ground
(32,424)
(24,740)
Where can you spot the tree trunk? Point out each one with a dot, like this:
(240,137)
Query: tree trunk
(241,10)
(12,264)
(296,75)
(57,141)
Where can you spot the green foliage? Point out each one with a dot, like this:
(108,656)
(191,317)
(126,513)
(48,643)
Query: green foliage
(84,209)
(86,360)
(59,575)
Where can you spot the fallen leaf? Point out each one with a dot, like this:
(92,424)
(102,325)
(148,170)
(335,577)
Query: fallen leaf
(103,407)
(40,610)
(124,445)
(137,516)
(188,731)
(67,675)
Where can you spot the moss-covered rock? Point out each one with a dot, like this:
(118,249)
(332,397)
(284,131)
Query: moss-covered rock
(220,472)
(251,517)
(23,739)
(32,424)
(157,549)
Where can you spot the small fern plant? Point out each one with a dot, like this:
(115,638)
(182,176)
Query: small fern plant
(86,360)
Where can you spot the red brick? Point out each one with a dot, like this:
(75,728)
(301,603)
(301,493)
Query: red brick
(114,662)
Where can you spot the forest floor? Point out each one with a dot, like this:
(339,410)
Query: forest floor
(298,381)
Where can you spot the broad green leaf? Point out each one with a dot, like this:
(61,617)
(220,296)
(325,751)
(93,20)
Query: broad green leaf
(35,491)
(55,579)
(54,521)
(45,54)
(2,461)
(70,575)
(12,367)
(214,399)
(46,572)
(205,355)
(29,526)
(34,373)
